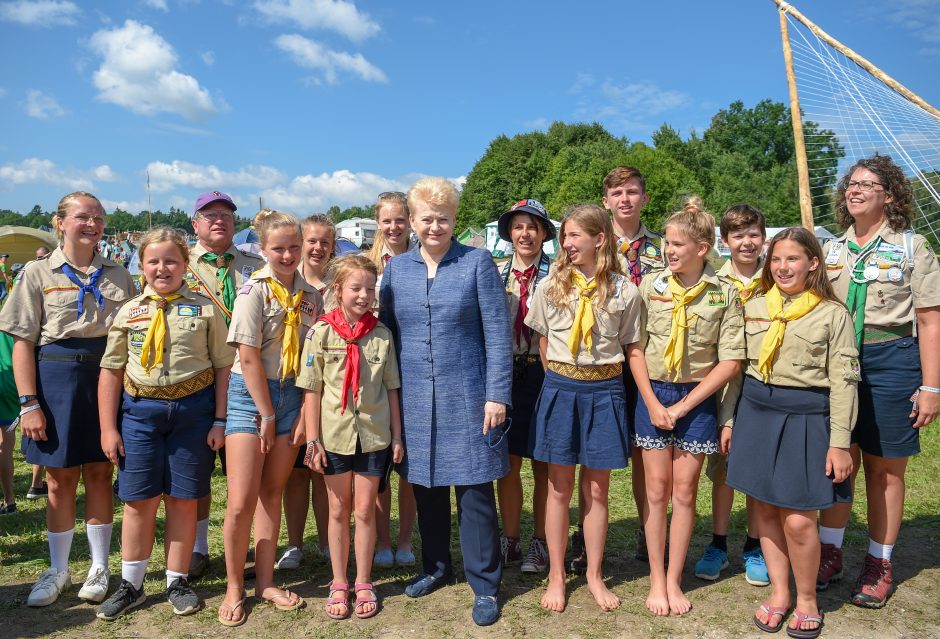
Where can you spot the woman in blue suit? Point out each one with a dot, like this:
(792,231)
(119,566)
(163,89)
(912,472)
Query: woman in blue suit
(446,307)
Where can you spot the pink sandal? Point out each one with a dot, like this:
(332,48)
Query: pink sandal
(333,600)
(771,612)
(369,597)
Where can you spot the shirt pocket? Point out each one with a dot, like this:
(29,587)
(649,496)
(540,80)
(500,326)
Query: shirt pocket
(705,328)
(659,319)
(754,333)
(113,293)
(811,347)
(559,320)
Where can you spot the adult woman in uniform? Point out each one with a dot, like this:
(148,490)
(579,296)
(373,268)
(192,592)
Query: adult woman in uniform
(59,316)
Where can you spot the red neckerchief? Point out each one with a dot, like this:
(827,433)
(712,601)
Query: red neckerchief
(386,258)
(363,327)
(524,278)
(633,265)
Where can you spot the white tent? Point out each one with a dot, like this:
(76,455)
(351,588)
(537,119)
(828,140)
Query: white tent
(500,248)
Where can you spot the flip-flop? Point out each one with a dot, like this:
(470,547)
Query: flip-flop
(802,617)
(285,595)
(231,623)
(370,597)
(338,601)
(771,612)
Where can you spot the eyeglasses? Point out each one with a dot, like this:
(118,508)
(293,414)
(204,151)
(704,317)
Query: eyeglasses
(87,219)
(496,434)
(862,185)
(217,217)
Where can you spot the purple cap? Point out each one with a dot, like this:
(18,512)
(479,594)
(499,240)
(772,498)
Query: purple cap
(206,199)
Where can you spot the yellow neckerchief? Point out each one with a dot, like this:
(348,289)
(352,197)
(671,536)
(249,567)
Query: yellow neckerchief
(584,314)
(779,318)
(290,343)
(156,333)
(675,347)
(745,291)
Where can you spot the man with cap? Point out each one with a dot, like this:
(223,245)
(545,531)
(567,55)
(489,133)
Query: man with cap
(527,226)
(217,269)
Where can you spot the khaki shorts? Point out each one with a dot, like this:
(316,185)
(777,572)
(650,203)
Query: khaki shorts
(717,468)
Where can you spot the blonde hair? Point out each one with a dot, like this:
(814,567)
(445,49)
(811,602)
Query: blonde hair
(318,219)
(693,221)
(268,220)
(342,266)
(71,198)
(389,198)
(593,220)
(436,191)
(164,234)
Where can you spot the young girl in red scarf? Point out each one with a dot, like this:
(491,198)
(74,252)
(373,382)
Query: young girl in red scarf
(351,378)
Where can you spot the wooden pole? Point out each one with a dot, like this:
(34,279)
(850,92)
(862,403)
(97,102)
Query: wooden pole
(149,204)
(796,118)
(786,7)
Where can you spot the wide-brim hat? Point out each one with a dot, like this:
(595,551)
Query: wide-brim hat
(530,207)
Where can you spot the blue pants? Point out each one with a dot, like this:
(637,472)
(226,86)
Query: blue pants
(479,534)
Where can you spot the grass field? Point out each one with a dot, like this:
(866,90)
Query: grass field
(721,609)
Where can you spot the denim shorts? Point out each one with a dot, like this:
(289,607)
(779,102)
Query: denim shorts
(285,397)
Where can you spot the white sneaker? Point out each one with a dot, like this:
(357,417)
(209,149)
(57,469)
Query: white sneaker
(50,585)
(292,558)
(96,585)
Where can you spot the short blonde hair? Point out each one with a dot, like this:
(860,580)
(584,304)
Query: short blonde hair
(268,220)
(71,198)
(164,234)
(436,191)
(318,219)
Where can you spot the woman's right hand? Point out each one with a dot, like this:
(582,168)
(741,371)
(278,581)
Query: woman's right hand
(112,445)
(33,425)
(317,460)
(266,432)
(660,417)
(724,440)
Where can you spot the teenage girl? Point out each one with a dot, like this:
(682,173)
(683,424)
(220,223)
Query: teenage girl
(691,345)
(302,485)
(271,313)
(586,313)
(166,366)
(790,443)
(353,422)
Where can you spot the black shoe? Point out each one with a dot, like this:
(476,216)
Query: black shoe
(123,599)
(425,584)
(182,597)
(578,562)
(198,564)
(38,492)
(7,509)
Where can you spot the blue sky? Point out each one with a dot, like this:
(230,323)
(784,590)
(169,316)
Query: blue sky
(309,103)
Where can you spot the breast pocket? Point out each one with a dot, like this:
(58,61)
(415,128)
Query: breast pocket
(193,324)
(704,330)
(754,333)
(812,346)
(659,319)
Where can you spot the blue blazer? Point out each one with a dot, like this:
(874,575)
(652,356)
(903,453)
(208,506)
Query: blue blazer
(454,348)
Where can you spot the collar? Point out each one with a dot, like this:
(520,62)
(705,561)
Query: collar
(641,232)
(883,231)
(299,282)
(183,290)
(727,271)
(408,247)
(708,275)
(515,265)
(455,250)
(198,250)
(57,258)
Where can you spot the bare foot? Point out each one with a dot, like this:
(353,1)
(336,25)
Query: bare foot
(679,604)
(602,595)
(554,597)
(657,602)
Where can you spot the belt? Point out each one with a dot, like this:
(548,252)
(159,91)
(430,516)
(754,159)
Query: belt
(881,334)
(528,358)
(173,391)
(587,373)
(78,357)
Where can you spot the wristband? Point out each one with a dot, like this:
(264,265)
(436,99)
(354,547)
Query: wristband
(29,409)
(313,442)
(929,389)
(218,422)
(267,418)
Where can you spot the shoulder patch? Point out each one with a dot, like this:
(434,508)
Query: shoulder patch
(652,251)
(247,270)
(246,289)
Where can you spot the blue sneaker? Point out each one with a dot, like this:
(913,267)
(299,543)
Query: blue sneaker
(755,568)
(384,558)
(711,564)
(485,610)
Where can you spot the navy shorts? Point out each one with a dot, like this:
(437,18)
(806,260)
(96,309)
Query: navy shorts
(165,448)
(374,464)
(890,375)
(285,397)
(695,433)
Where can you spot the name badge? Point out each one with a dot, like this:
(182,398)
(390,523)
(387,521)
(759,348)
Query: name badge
(660,285)
(138,311)
(306,308)
(835,252)
(189,310)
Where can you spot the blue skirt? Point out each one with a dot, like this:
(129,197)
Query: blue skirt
(578,422)
(67,386)
(696,433)
(890,375)
(779,446)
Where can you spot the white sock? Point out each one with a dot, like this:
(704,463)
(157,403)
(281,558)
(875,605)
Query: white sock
(879,551)
(60,545)
(202,537)
(99,543)
(172,575)
(134,572)
(833,536)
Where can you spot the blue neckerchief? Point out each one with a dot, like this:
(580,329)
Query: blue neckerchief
(91,287)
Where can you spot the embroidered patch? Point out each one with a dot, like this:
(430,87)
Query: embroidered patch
(247,271)
(651,250)
(136,338)
(245,290)
(835,252)
(716,298)
(138,311)
(738,304)
(306,307)
(310,359)
(855,369)
(189,310)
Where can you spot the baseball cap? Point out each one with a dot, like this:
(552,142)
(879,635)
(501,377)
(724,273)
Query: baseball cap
(206,199)
(531,207)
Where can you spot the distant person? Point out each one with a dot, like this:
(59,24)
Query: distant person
(41,252)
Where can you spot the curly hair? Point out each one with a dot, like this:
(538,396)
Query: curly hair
(899,211)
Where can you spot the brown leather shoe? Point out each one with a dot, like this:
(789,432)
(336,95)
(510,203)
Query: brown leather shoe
(830,566)
(874,585)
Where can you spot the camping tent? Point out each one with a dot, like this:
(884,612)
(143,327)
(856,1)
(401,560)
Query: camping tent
(501,248)
(247,240)
(21,242)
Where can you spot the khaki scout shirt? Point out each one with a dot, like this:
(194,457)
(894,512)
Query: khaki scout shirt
(728,395)
(902,285)
(615,325)
(715,333)
(513,291)
(258,319)
(322,369)
(195,338)
(44,301)
(650,252)
(242,266)
(818,351)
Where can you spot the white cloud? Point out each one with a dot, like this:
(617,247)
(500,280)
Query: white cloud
(169,176)
(41,106)
(335,15)
(138,73)
(208,58)
(625,107)
(132,207)
(157,4)
(38,171)
(313,55)
(536,123)
(40,13)
(307,193)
